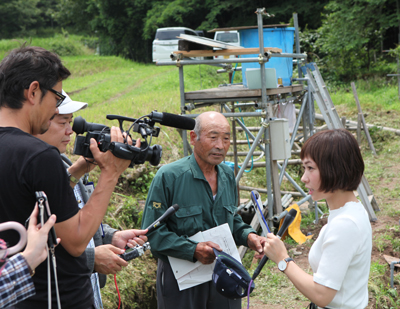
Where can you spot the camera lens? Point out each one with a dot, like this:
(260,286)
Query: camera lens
(154,155)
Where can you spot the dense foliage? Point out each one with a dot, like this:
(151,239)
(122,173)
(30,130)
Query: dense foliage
(346,36)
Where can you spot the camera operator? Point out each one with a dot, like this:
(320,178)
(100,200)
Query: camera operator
(30,93)
(102,251)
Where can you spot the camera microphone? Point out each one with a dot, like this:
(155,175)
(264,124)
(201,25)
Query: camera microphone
(289,218)
(172,120)
(165,216)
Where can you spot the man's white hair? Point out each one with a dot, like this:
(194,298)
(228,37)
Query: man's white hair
(197,127)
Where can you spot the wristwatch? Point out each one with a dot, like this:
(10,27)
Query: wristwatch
(282,265)
(72,178)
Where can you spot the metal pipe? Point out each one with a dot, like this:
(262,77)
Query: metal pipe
(222,61)
(225,70)
(303,200)
(392,271)
(268,156)
(277,218)
(292,140)
(311,111)
(268,170)
(182,95)
(296,35)
(247,159)
(240,114)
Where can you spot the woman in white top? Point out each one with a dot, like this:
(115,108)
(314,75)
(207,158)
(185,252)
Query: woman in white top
(340,258)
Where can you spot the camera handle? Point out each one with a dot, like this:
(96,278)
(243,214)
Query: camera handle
(123,151)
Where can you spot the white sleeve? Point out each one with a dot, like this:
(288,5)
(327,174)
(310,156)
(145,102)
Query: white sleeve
(340,245)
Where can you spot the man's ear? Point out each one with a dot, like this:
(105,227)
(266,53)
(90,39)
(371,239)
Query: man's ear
(33,93)
(193,138)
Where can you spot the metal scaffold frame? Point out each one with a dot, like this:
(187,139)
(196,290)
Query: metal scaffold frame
(304,95)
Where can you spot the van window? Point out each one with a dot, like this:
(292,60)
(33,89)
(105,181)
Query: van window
(190,32)
(168,35)
(227,37)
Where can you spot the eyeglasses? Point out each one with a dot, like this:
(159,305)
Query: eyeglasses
(60,95)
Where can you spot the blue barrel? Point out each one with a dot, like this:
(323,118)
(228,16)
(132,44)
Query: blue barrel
(280,37)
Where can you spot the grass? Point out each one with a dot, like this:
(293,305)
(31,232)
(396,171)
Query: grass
(112,85)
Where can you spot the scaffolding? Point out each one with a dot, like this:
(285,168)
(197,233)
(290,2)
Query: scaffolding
(262,101)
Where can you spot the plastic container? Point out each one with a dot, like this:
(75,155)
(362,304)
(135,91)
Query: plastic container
(280,37)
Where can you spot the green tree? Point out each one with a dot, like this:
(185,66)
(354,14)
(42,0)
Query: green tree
(17,17)
(351,34)
(78,15)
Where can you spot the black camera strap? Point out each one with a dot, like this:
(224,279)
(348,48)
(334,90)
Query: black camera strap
(42,203)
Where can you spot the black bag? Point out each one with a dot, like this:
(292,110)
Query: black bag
(230,277)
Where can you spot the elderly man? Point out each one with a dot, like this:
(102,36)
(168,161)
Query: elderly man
(206,193)
(103,249)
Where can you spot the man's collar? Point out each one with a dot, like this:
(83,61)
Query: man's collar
(196,170)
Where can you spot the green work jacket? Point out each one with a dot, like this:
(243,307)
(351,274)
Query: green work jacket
(183,183)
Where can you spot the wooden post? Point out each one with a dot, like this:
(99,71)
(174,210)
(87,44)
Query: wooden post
(359,128)
(344,122)
(235,154)
(371,145)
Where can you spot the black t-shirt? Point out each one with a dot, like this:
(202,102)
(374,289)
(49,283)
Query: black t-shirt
(27,165)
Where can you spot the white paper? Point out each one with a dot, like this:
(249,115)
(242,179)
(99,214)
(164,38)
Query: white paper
(190,274)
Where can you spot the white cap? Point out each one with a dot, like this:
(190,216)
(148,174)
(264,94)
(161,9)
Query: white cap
(68,106)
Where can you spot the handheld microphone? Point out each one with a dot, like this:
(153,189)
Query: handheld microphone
(172,120)
(289,218)
(165,216)
(132,253)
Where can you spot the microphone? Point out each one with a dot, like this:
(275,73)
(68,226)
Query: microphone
(132,253)
(165,216)
(172,120)
(289,218)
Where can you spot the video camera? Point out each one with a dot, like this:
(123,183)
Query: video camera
(143,125)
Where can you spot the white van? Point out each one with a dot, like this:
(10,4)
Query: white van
(231,37)
(166,41)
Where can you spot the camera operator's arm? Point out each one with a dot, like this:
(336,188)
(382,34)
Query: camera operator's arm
(77,231)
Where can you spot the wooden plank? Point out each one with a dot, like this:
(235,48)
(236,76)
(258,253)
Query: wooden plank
(208,42)
(371,145)
(226,52)
(237,92)
(391,259)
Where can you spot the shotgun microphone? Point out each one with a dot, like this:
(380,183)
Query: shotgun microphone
(289,218)
(172,120)
(165,216)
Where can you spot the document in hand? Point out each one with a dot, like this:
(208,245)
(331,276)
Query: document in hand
(190,274)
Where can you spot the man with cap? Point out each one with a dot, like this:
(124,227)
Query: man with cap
(31,81)
(105,246)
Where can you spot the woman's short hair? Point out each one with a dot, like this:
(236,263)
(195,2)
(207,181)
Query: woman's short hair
(338,157)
